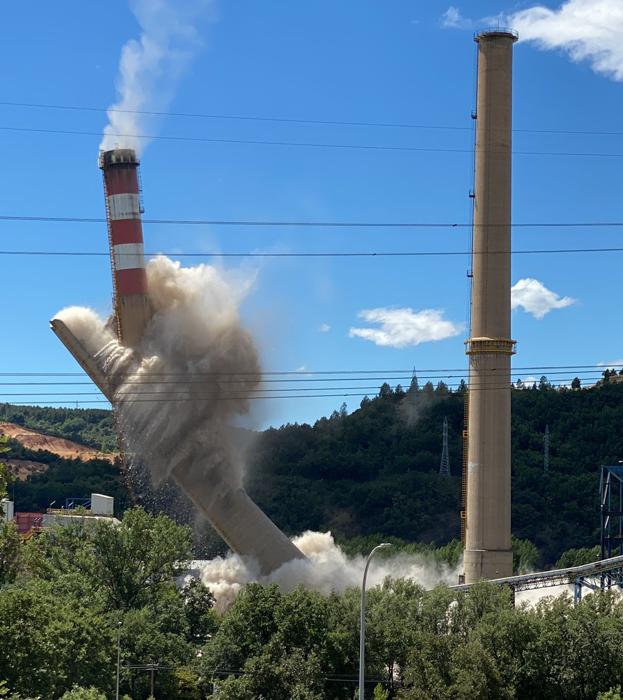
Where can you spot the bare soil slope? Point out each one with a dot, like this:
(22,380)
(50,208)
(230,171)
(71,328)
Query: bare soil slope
(58,446)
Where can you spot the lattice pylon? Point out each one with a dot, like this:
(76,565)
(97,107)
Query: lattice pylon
(444,464)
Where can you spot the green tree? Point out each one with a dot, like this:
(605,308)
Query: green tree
(380,693)
(10,552)
(78,693)
(129,564)
(199,610)
(50,642)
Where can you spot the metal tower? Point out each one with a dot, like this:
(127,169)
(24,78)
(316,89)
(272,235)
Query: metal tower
(546,450)
(611,505)
(444,465)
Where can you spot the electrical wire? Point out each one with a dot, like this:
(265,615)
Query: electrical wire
(131,398)
(298,144)
(306,254)
(291,120)
(316,224)
(433,373)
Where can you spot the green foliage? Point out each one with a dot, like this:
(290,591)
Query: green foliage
(89,426)
(50,642)
(200,616)
(380,693)
(611,694)
(78,693)
(577,557)
(525,556)
(10,552)
(130,564)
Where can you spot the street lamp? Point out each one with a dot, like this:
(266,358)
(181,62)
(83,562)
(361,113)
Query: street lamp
(118,657)
(362,620)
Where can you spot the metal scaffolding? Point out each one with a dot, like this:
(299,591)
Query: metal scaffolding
(611,506)
(444,464)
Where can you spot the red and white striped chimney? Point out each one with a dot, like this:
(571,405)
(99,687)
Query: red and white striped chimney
(125,233)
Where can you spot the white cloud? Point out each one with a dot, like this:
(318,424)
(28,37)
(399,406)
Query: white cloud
(613,363)
(535,298)
(324,327)
(588,30)
(527,381)
(453,19)
(400,328)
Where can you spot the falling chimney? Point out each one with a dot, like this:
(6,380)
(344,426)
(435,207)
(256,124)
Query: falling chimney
(125,236)
(488,551)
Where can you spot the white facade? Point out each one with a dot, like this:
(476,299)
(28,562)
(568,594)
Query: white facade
(102,505)
(7,509)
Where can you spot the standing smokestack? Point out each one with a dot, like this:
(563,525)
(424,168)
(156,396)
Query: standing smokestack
(125,235)
(488,551)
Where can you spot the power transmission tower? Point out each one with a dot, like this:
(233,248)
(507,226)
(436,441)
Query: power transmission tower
(546,450)
(444,465)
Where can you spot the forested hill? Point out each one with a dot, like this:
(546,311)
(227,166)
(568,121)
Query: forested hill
(375,471)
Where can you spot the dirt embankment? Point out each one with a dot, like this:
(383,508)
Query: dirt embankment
(21,469)
(62,447)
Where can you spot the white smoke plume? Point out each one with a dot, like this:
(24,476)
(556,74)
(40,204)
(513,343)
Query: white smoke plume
(326,569)
(151,66)
(195,370)
(588,30)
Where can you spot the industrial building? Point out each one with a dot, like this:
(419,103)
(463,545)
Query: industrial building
(82,510)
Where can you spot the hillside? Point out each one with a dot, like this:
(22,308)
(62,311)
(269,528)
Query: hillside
(87,426)
(61,447)
(374,472)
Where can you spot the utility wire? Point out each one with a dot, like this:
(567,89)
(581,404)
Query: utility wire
(220,382)
(435,373)
(332,254)
(298,144)
(290,120)
(316,224)
(244,397)
(251,393)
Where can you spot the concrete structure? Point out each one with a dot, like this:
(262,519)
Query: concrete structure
(125,235)
(245,528)
(7,508)
(488,552)
(102,505)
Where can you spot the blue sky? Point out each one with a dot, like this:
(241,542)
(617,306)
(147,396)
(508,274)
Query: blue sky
(351,61)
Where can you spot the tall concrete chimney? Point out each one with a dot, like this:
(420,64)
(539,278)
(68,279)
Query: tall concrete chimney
(488,518)
(125,234)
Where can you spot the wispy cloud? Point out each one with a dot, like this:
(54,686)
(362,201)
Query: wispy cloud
(588,30)
(535,298)
(453,19)
(151,66)
(613,363)
(404,327)
(324,327)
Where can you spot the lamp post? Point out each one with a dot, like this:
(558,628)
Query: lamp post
(118,657)
(362,620)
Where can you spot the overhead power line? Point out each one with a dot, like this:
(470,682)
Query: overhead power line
(298,144)
(316,224)
(423,373)
(256,397)
(333,254)
(294,120)
(262,392)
